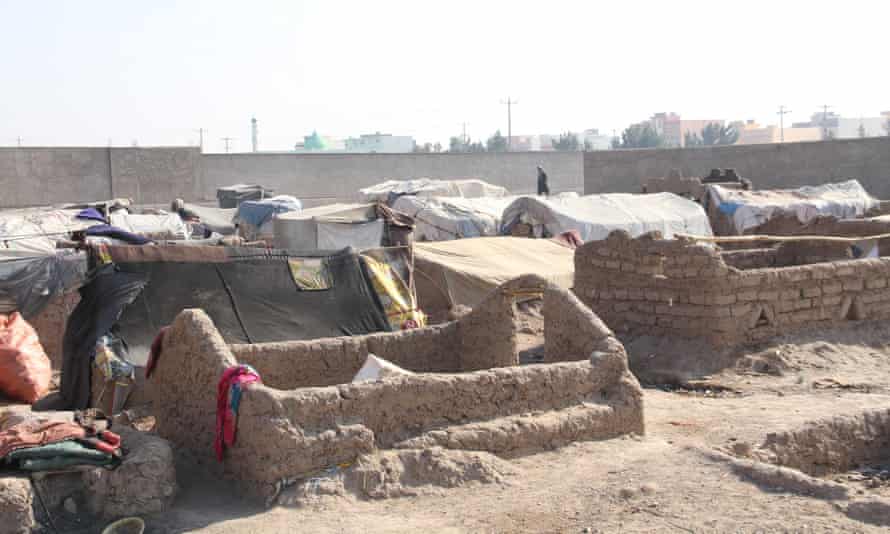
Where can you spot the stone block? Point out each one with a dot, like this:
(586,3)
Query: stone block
(813,291)
(769,295)
(749,295)
(751,280)
(614,265)
(845,270)
(832,288)
(724,300)
(876,283)
(741,310)
(803,304)
(853,284)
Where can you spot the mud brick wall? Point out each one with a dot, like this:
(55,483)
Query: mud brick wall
(287,434)
(482,339)
(331,361)
(571,331)
(659,287)
(50,325)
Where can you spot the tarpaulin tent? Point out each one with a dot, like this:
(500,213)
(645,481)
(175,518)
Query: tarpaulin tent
(163,226)
(445,218)
(254,218)
(28,282)
(736,212)
(426,187)
(252,296)
(217,220)
(36,230)
(595,216)
(464,271)
(337,226)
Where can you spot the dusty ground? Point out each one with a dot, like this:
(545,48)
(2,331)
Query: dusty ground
(663,482)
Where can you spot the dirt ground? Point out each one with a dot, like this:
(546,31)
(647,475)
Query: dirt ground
(665,481)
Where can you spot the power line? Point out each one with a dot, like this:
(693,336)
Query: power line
(509,121)
(782,112)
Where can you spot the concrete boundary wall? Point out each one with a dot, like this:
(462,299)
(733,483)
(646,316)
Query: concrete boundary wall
(53,175)
(285,434)
(320,177)
(650,286)
(769,166)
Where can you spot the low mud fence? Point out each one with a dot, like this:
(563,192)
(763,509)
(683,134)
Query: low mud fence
(651,286)
(470,393)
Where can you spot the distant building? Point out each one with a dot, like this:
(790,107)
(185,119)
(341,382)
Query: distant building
(673,129)
(318,143)
(380,143)
(592,139)
(751,133)
(833,126)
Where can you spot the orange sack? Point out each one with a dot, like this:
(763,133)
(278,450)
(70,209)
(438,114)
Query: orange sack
(25,370)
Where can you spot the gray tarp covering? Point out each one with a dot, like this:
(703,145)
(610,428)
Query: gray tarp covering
(595,216)
(28,282)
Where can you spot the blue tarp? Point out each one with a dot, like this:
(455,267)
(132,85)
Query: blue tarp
(257,212)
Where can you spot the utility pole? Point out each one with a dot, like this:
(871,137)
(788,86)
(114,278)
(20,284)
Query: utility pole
(825,130)
(200,138)
(782,113)
(253,133)
(19,141)
(509,122)
(226,140)
(463,136)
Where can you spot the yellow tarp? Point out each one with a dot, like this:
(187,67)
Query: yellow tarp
(471,268)
(397,299)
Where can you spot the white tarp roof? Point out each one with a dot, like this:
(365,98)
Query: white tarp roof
(163,226)
(427,187)
(445,218)
(37,230)
(469,269)
(323,225)
(749,209)
(595,216)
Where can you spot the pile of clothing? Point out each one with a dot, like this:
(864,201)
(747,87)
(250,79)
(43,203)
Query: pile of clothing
(53,441)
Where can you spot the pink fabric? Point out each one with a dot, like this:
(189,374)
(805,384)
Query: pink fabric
(231,383)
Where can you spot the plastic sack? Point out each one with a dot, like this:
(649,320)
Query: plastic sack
(377,369)
(25,370)
(111,360)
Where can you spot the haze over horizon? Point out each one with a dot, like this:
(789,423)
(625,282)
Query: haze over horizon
(88,72)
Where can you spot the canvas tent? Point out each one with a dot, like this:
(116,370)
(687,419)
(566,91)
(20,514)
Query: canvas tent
(29,281)
(36,230)
(736,212)
(464,271)
(252,296)
(336,226)
(445,218)
(595,216)
(255,218)
(426,187)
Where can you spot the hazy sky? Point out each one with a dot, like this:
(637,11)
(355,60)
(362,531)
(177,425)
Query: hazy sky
(83,72)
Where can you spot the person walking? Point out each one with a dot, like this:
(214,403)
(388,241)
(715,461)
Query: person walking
(543,188)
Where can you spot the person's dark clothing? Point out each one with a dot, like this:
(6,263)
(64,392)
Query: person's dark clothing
(543,188)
